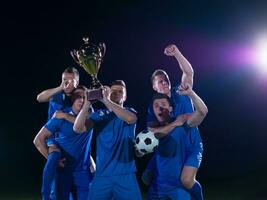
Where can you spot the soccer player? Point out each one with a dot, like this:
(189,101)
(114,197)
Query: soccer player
(114,128)
(75,165)
(170,156)
(181,105)
(59,98)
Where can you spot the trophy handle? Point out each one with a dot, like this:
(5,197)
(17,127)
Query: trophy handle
(95,82)
(102,49)
(86,40)
(73,54)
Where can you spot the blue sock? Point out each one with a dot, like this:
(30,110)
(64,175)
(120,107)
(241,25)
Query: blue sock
(196,191)
(49,173)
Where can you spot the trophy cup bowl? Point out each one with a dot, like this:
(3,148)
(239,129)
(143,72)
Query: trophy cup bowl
(89,57)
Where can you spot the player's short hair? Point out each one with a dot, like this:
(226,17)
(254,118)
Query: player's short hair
(72,70)
(161,96)
(157,73)
(75,94)
(118,82)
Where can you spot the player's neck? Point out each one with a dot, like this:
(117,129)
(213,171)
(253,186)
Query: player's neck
(166,121)
(67,94)
(75,111)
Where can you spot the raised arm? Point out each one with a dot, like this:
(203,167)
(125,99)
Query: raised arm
(162,131)
(46,95)
(82,123)
(201,109)
(40,141)
(124,114)
(188,72)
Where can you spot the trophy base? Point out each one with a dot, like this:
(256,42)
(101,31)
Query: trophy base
(94,94)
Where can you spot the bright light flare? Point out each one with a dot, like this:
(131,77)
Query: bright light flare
(261,54)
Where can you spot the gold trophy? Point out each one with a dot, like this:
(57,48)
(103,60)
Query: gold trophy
(89,57)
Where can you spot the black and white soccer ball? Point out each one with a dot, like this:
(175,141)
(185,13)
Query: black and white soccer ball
(146,141)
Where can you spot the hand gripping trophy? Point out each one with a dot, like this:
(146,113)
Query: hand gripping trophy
(89,57)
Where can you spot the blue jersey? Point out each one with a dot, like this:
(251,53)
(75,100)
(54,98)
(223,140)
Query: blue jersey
(169,159)
(75,147)
(114,144)
(193,143)
(181,104)
(59,101)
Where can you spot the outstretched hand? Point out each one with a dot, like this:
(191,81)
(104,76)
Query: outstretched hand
(185,89)
(86,103)
(67,83)
(171,50)
(106,94)
(181,119)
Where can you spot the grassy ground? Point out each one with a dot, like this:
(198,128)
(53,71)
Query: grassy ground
(246,188)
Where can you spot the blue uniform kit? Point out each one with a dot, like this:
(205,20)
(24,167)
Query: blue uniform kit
(194,146)
(190,152)
(58,101)
(115,172)
(167,164)
(76,149)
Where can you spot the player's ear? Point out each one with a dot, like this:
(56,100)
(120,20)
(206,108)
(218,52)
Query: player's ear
(76,83)
(124,94)
(154,87)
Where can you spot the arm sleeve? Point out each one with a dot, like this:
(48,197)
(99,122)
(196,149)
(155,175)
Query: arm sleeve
(53,125)
(132,110)
(57,98)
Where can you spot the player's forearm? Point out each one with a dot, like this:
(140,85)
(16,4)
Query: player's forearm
(69,118)
(195,119)
(186,68)
(198,103)
(163,130)
(200,112)
(46,95)
(79,123)
(121,112)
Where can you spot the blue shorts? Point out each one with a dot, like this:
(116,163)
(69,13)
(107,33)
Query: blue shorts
(121,187)
(81,184)
(175,194)
(69,181)
(194,157)
(194,148)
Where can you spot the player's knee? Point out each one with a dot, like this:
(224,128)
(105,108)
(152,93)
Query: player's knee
(187,181)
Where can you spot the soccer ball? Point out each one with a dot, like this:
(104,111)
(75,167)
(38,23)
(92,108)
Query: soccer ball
(146,141)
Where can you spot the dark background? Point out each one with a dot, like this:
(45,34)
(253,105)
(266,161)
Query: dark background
(35,44)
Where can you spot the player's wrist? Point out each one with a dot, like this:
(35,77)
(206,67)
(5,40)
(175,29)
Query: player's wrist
(191,93)
(86,106)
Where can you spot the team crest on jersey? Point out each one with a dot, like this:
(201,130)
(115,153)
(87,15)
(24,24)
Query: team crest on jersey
(101,113)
